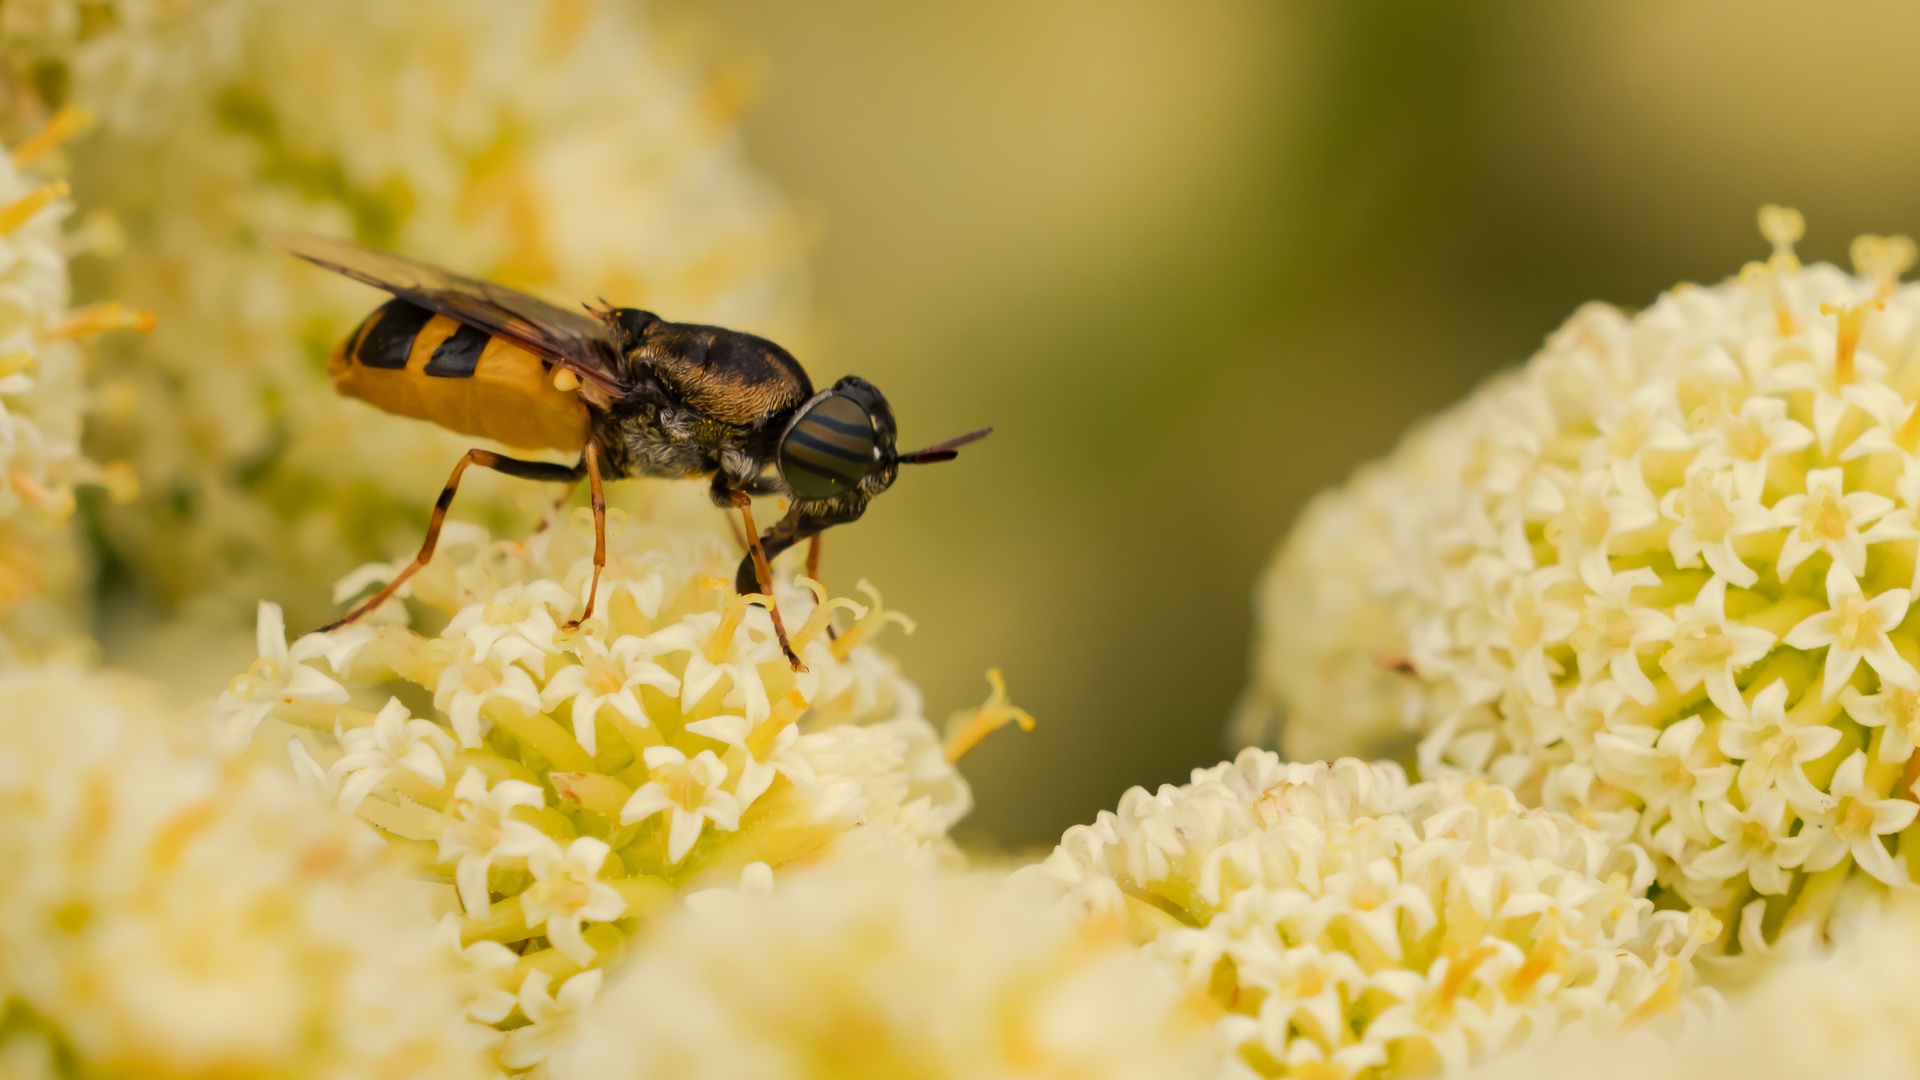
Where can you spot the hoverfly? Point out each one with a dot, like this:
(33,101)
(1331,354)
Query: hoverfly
(633,394)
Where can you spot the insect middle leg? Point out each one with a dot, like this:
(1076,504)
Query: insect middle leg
(528,470)
(764,574)
(590,461)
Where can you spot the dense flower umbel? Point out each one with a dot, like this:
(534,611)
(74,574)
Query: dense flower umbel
(1851,1010)
(1660,578)
(42,401)
(164,914)
(559,146)
(569,785)
(869,971)
(1350,924)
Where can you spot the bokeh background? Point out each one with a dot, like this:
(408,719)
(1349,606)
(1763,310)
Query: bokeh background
(1197,260)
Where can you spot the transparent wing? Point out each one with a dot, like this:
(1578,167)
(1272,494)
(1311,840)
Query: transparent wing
(579,341)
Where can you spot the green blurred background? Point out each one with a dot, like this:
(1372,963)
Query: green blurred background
(1198,260)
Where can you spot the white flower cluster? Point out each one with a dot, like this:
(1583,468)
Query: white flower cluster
(1659,578)
(867,971)
(563,148)
(165,914)
(1351,924)
(1848,1010)
(570,784)
(42,402)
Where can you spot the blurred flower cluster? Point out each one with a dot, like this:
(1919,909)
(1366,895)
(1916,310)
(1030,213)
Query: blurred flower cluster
(43,397)
(1633,616)
(1659,578)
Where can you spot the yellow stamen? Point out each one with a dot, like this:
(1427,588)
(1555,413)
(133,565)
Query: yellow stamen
(71,120)
(1440,1005)
(99,319)
(57,503)
(1852,321)
(1665,998)
(822,615)
(1885,258)
(15,362)
(1547,954)
(21,210)
(734,610)
(785,712)
(564,380)
(969,726)
(1783,226)
(869,624)
(1909,434)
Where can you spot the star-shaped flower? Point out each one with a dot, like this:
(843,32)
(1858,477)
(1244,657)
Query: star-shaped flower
(517,624)
(607,677)
(466,686)
(1742,439)
(690,789)
(1710,518)
(1674,775)
(1827,518)
(393,741)
(1860,818)
(276,678)
(1613,630)
(1532,617)
(1710,647)
(566,889)
(756,773)
(1749,846)
(1773,751)
(552,1017)
(476,822)
(1855,629)
(1895,708)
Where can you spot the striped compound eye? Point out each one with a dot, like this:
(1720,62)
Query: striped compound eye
(828,448)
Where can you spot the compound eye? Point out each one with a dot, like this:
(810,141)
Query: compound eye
(828,449)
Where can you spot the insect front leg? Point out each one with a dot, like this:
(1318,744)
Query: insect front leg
(798,525)
(487,459)
(762,576)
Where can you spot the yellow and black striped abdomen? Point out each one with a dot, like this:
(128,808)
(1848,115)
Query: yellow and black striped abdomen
(407,360)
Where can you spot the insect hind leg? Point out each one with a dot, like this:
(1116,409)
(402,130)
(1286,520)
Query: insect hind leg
(486,459)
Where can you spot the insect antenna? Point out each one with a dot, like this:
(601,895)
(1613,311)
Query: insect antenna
(944,451)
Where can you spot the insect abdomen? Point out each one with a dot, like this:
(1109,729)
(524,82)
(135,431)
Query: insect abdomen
(407,360)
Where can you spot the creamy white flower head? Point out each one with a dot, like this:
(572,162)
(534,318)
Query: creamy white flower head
(1841,1010)
(565,784)
(1771,421)
(865,970)
(167,913)
(1348,923)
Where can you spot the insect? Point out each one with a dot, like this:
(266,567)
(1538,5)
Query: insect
(633,394)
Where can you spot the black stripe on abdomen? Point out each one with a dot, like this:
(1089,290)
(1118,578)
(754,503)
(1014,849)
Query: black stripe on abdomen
(389,341)
(459,355)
